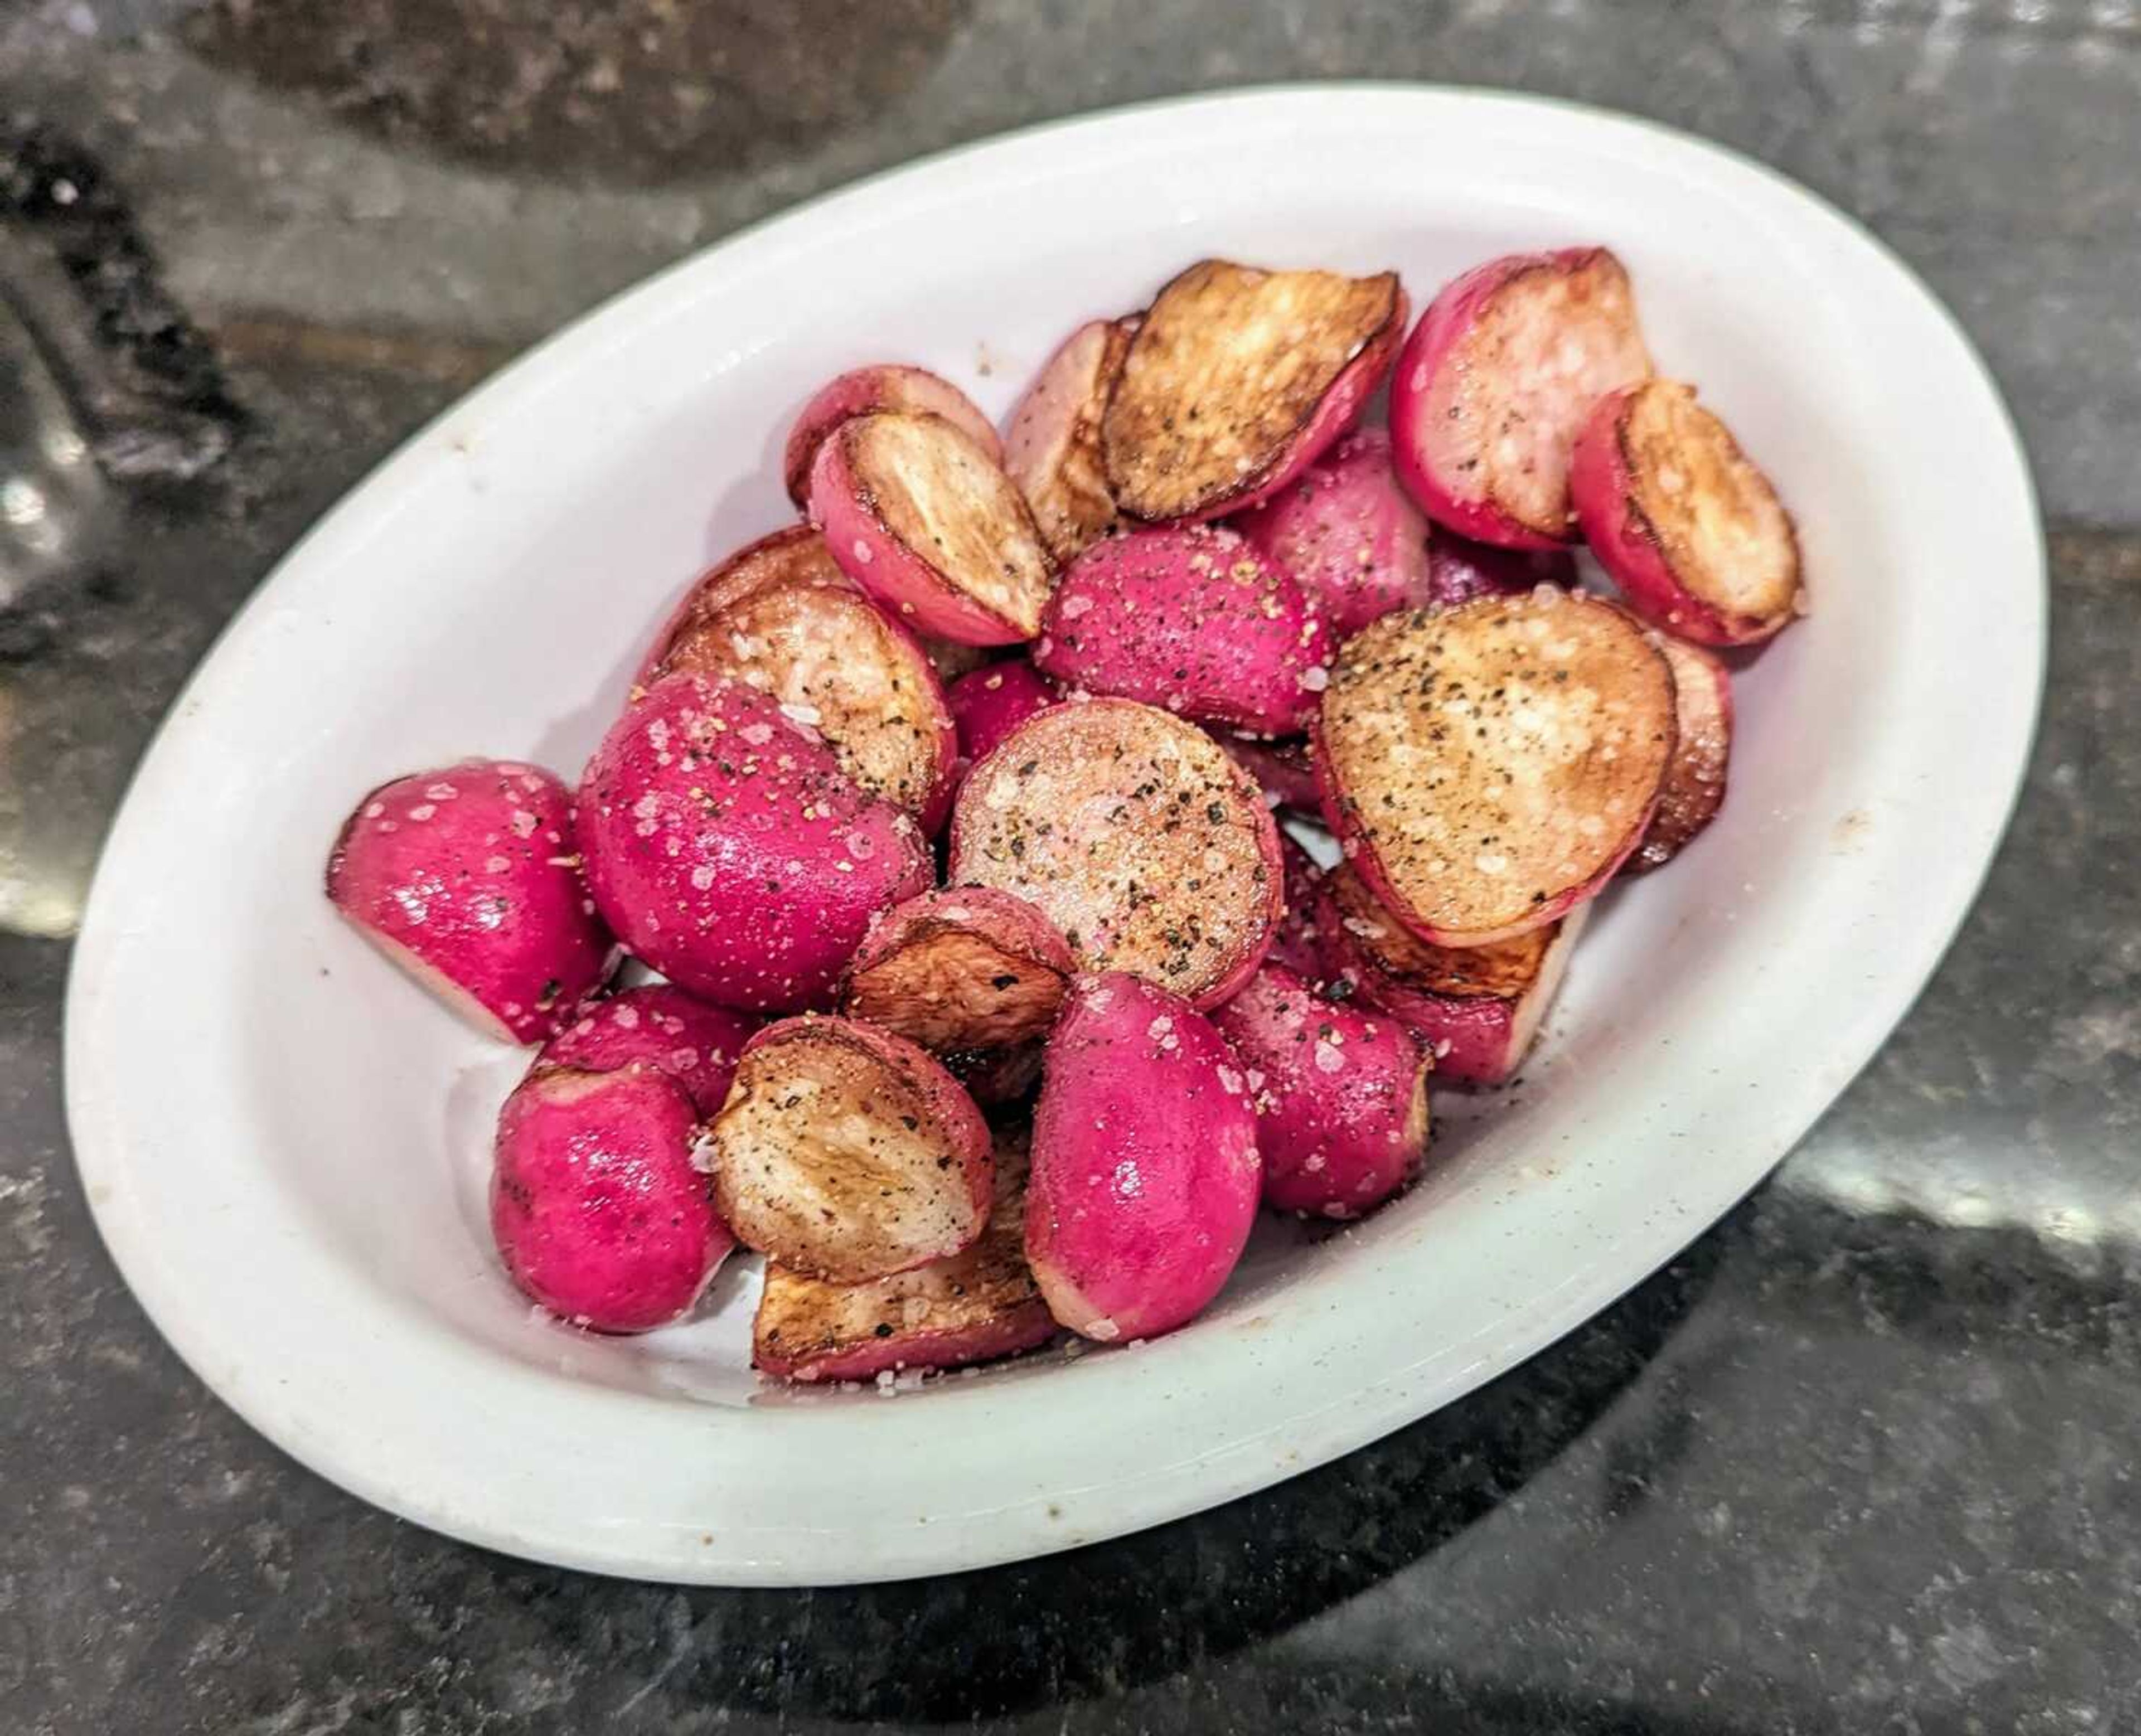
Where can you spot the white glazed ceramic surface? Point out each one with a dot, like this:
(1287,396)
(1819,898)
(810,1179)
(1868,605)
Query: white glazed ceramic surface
(286,1145)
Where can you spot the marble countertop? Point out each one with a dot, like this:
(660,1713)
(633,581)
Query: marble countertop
(1862,1459)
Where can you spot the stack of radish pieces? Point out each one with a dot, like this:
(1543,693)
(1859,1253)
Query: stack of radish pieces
(996,1002)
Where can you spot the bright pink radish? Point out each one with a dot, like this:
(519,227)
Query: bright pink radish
(1295,945)
(1052,443)
(991,702)
(1475,1010)
(1496,380)
(1459,569)
(595,1208)
(1340,1095)
(1694,781)
(1682,521)
(467,879)
(1145,1172)
(865,390)
(660,1026)
(1238,380)
(731,853)
(926,521)
(1349,534)
(1192,619)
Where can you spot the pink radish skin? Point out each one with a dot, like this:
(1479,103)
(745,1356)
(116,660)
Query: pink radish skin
(989,704)
(1052,442)
(1431,371)
(1475,1011)
(1685,592)
(867,390)
(597,1210)
(1341,1096)
(659,1026)
(1459,570)
(731,853)
(1694,781)
(1295,945)
(1192,619)
(1145,1172)
(1349,534)
(1281,769)
(467,879)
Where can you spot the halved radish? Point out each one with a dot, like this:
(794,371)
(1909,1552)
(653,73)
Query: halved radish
(1475,1010)
(1052,443)
(1136,835)
(1191,618)
(990,703)
(846,1152)
(1349,534)
(781,617)
(1487,767)
(1694,781)
(468,878)
(656,1025)
(1238,380)
(1282,768)
(968,970)
(866,391)
(1496,380)
(926,521)
(980,1304)
(1459,569)
(1682,521)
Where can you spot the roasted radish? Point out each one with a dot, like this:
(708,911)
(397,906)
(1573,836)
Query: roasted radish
(729,851)
(1340,1095)
(781,617)
(656,1026)
(467,878)
(1488,768)
(1191,618)
(1238,380)
(596,1207)
(989,704)
(1145,1171)
(926,521)
(978,1304)
(1694,781)
(845,1153)
(1052,443)
(1496,380)
(1349,534)
(968,971)
(1682,521)
(1475,1010)
(1136,835)
(866,391)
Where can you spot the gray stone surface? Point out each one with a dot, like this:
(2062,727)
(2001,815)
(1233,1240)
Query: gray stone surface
(1861,1461)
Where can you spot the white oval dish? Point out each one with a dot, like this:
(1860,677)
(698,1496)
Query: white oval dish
(286,1146)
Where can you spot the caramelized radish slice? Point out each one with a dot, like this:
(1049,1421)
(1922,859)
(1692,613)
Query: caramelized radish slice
(970,971)
(1145,1171)
(989,704)
(1136,835)
(1281,769)
(1689,530)
(890,387)
(926,521)
(1349,534)
(1052,444)
(1694,781)
(1488,768)
(975,1307)
(467,879)
(1475,1010)
(1459,569)
(1238,380)
(846,1152)
(1496,380)
(1296,946)
(1340,1095)
(657,1027)
(597,1210)
(1189,618)
(730,851)
(781,617)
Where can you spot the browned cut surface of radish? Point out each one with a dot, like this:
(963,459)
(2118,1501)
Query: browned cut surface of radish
(784,619)
(887,386)
(1228,375)
(846,1152)
(1052,446)
(965,970)
(979,1304)
(1136,835)
(1694,782)
(1487,767)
